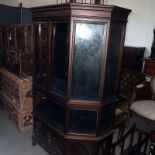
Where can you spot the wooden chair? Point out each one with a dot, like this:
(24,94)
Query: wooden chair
(130,81)
(146,108)
(133,142)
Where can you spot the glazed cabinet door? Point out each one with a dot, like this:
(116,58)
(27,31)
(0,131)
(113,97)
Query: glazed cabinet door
(87,60)
(41,34)
(59,58)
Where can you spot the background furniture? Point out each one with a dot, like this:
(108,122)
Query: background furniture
(16,51)
(16,58)
(128,81)
(133,58)
(78,48)
(131,76)
(149,67)
(128,85)
(133,142)
(146,108)
(16,72)
(152,56)
(149,71)
(16,95)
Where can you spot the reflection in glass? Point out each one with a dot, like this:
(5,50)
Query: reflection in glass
(41,55)
(87,61)
(59,59)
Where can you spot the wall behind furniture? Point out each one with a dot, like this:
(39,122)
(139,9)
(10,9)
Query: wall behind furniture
(141,20)
(26,3)
(14,15)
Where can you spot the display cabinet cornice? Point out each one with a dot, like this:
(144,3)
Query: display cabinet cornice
(78,50)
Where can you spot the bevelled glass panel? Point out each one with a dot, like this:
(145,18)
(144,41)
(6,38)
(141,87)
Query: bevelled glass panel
(110,87)
(41,54)
(59,74)
(82,121)
(87,61)
(107,117)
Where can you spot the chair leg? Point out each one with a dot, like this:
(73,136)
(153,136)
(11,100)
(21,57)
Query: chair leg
(152,145)
(121,131)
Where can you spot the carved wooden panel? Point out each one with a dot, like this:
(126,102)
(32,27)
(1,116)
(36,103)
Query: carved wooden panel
(47,137)
(23,118)
(18,91)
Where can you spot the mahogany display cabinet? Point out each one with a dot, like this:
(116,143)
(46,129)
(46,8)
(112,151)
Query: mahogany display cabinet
(77,57)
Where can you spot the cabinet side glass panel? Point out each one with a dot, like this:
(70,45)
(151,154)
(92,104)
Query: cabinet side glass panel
(110,89)
(87,60)
(59,57)
(41,54)
(107,117)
